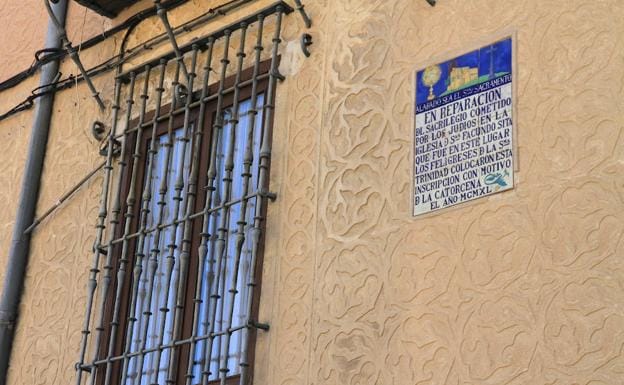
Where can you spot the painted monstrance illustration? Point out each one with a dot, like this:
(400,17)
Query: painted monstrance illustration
(431,75)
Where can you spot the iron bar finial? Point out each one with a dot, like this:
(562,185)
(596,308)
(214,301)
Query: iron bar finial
(304,14)
(162,14)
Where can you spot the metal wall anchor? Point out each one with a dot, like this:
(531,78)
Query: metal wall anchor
(306,41)
(116,147)
(98,130)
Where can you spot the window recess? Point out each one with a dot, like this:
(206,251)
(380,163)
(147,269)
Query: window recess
(173,291)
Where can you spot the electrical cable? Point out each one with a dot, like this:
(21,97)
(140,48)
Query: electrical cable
(120,58)
(136,18)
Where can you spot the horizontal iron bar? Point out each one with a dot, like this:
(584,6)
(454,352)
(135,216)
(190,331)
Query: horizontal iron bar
(182,110)
(198,214)
(202,42)
(174,344)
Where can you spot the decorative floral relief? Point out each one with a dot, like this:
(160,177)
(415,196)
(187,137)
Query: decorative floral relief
(522,288)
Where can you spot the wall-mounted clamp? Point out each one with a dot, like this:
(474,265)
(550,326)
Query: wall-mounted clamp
(98,130)
(116,147)
(306,41)
(278,75)
(260,325)
(181,93)
(268,194)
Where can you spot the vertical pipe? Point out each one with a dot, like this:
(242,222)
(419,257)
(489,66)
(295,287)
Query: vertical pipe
(20,245)
(263,185)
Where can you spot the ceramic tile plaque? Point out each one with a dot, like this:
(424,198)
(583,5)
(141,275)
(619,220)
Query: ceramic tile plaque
(464,130)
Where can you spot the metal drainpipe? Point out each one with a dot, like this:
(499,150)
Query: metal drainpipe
(20,245)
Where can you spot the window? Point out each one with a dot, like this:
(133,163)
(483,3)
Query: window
(173,291)
(210,291)
(182,310)
(157,294)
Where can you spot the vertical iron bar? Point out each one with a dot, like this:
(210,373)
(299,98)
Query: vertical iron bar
(130,203)
(116,210)
(212,175)
(199,279)
(93,272)
(114,220)
(146,198)
(246,173)
(190,204)
(221,242)
(228,178)
(177,198)
(263,185)
(162,192)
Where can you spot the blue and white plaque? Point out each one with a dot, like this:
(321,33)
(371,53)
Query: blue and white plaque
(464,132)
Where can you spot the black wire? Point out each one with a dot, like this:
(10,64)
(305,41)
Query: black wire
(102,67)
(41,61)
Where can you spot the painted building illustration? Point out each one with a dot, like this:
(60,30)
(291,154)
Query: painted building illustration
(200,192)
(461,76)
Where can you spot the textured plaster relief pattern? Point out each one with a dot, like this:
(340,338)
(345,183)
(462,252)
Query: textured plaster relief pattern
(83,23)
(14,137)
(522,288)
(52,308)
(296,134)
(24,28)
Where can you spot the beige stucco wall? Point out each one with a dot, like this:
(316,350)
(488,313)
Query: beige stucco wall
(525,287)
(24,27)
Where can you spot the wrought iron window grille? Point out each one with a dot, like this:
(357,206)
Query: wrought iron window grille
(172,294)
